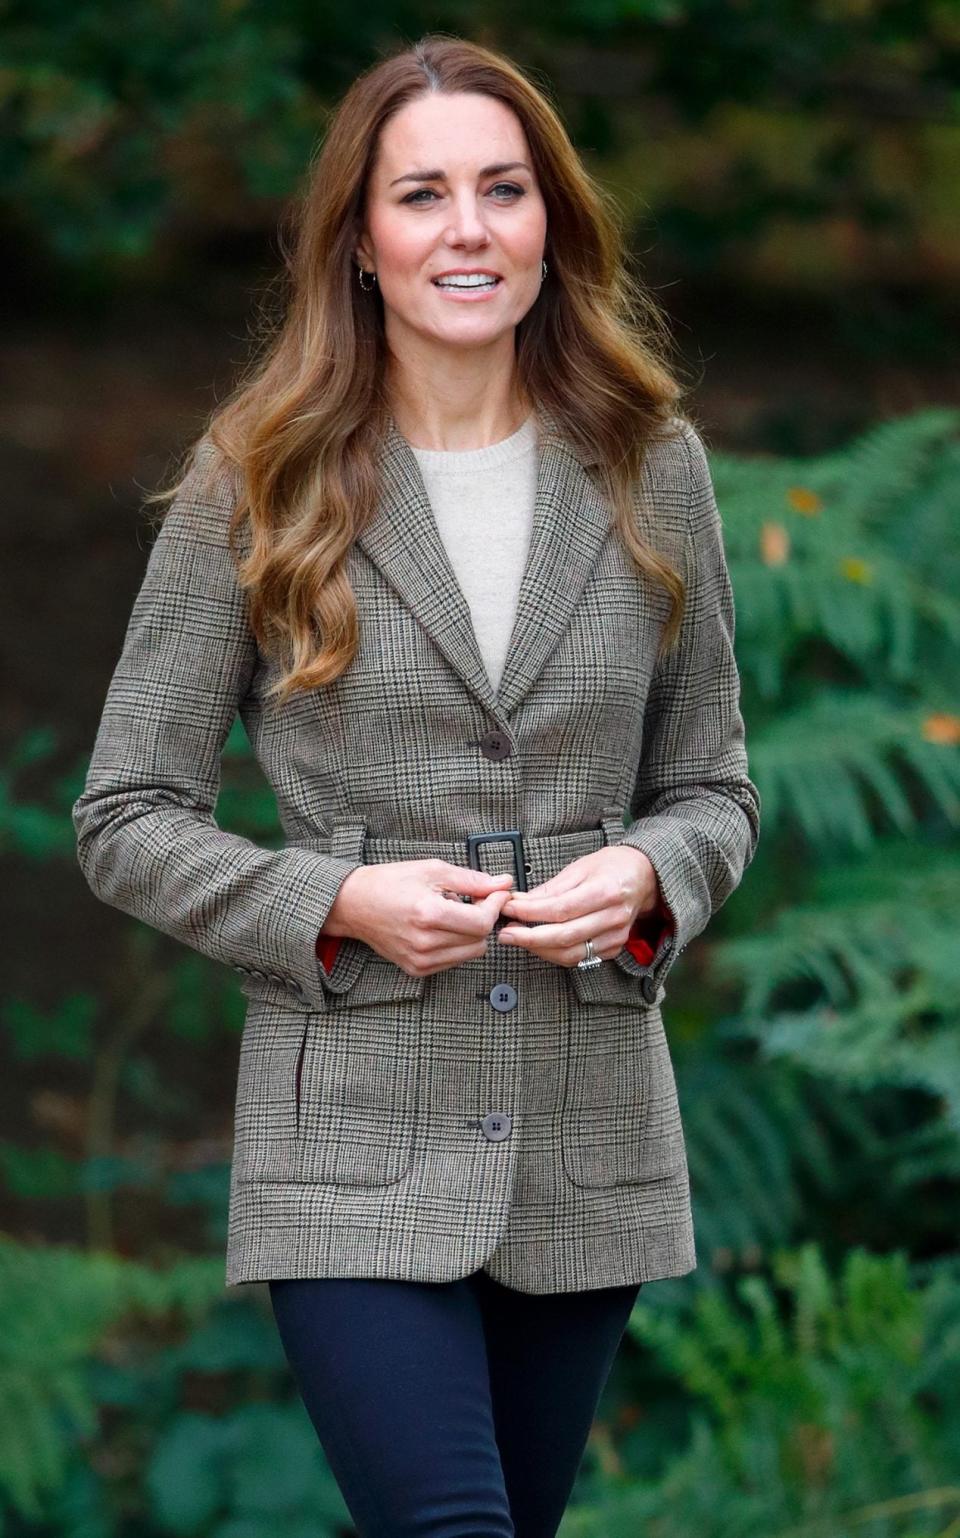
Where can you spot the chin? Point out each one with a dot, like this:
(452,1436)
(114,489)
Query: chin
(478,338)
(476,333)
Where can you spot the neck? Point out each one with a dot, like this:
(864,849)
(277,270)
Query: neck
(471,414)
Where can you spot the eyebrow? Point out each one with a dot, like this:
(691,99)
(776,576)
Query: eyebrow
(439,176)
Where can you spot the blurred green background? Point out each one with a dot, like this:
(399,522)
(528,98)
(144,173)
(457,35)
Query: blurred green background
(787,177)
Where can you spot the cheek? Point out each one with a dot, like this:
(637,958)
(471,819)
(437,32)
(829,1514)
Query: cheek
(401,250)
(527,236)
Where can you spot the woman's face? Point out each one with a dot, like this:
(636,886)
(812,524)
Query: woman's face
(453,189)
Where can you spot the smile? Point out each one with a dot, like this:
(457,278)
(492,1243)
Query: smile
(467,288)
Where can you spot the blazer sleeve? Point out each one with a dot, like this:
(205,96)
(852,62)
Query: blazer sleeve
(695,810)
(147,839)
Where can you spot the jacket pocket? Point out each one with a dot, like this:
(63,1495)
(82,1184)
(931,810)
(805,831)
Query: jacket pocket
(329,1097)
(620,1120)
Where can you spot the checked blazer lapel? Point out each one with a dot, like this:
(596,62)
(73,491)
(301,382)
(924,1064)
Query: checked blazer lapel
(571,520)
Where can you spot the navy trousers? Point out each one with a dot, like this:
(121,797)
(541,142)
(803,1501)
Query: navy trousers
(450,1409)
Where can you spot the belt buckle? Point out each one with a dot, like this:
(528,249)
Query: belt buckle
(511,835)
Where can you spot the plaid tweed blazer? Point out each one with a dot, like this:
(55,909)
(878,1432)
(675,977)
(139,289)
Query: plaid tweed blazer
(506,1114)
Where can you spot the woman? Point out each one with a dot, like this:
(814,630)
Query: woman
(455,558)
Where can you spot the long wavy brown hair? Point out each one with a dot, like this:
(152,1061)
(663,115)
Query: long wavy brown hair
(302,427)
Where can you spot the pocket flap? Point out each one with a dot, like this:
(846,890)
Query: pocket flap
(610,984)
(362,976)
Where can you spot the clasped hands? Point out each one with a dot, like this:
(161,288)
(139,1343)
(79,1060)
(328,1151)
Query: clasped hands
(412,912)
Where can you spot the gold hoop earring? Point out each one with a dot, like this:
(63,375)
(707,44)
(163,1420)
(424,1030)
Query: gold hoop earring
(367,287)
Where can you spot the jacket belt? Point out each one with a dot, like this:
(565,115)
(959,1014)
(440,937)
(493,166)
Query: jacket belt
(531,857)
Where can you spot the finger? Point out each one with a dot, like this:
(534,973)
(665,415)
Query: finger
(451,916)
(447,954)
(579,900)
(562,935)
(463,879)
(570,876)
(606,944)
(439,958)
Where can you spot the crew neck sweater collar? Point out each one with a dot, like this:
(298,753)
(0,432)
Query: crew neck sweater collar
(459,461)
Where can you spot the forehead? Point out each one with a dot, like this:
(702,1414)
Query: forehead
(453,132)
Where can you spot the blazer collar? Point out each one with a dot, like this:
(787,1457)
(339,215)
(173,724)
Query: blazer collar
(571,519)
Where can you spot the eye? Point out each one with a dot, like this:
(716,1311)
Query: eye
(412,197)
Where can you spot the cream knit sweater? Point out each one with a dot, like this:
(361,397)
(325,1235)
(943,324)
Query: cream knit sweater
(482,501)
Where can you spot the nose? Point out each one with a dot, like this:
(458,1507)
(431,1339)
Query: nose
(467,224)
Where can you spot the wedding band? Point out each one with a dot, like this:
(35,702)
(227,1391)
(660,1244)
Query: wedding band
(591,959)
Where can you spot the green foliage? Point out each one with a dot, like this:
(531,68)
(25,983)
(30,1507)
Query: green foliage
(247,1474)
(818,1406)
(28,829)
(56,1305)
(846,568)
(98,1362)
(845,949)
(64,1032)
(766,1145)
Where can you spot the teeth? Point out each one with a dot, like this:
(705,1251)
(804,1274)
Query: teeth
(466,282)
